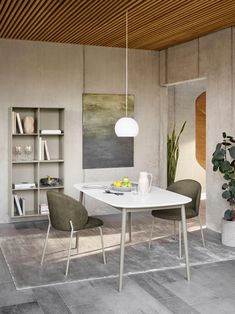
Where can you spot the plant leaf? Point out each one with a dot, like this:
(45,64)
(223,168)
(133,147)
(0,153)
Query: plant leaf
(232,151)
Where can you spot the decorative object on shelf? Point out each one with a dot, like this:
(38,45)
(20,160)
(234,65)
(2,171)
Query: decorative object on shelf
(50,181)
(28,123)
(28,149)
(224,160)
(126,126)
(101,147)
(173,154)
(18,151)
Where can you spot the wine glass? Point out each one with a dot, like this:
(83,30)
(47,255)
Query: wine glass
(18,150)
(28,151)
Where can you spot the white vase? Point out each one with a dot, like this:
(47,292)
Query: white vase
(144,183)
(28,123)
(228,233)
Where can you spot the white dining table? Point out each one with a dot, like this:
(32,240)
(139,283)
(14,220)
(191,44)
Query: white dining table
(129,203)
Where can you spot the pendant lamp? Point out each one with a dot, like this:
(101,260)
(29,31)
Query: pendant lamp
(126,126)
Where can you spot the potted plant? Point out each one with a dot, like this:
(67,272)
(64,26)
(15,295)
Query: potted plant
(173,154)
(223,160)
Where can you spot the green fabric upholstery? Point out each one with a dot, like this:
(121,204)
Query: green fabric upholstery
(63,208)
(93,222)
(190,188)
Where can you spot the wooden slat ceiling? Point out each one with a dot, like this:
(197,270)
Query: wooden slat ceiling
(152,24)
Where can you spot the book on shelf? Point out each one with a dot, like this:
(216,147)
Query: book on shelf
(13,122)
(22,204)
(41,152)
(47,151)
(19,124)
(43,209)
(23,185)
(51,132)
(17,205)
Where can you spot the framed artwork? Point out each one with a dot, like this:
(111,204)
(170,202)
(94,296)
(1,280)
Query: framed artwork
(101,146)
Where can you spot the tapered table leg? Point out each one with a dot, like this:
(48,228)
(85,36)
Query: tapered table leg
(184,227)
(122,248)
(130,226)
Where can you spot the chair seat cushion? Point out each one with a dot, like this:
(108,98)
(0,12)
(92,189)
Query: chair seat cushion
(173,214)
(92,222)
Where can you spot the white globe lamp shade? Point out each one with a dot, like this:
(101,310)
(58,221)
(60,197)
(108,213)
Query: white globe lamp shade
(126,127)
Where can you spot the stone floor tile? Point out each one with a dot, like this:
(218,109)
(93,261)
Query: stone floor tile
(10,296)
(50,301)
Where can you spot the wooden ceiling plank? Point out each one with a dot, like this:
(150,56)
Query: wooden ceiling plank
(7,14)
(118,23)
(83,27)
(47,9)
(66,19)
(173,17)
(4,7)
(202,32)
(33,6)
(50,23)
(185,26)
(162,28)
(12,22)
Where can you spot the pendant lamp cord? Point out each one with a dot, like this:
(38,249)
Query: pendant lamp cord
(126,62)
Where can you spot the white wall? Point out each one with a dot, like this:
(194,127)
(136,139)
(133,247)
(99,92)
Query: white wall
(210,57)
(181,107)
(49,74)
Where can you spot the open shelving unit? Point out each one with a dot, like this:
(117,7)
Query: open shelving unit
(25,166)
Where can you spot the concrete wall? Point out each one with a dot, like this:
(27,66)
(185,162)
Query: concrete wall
(210,57)
(181,107)
(48,74)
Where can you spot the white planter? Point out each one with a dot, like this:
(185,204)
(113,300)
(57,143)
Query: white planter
(228,233)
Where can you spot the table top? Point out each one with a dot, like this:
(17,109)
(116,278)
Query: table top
(157,198)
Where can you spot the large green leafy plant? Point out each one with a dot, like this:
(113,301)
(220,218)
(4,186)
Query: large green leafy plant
(173,154)
(223,160)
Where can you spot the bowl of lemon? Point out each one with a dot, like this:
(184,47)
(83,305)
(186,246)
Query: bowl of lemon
(124,185)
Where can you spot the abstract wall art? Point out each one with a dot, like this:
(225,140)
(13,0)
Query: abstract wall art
(101,147)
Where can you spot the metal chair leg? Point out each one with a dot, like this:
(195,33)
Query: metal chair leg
(202,234)
(174,230)
(151,233)
(45,244)
(77,242)
(102,244)
(69,252)
(180,242)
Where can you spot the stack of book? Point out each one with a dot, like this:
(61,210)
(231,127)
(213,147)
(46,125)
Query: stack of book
(43,208)
(51,132)
(19,205)
(16,123)
(23,185)
(43,150)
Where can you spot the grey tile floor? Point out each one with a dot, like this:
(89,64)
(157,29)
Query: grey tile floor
(210,291)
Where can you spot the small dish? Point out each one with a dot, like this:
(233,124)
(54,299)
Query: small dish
(120,188)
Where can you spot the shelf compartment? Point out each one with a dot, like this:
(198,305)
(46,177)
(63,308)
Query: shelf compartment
(31,202)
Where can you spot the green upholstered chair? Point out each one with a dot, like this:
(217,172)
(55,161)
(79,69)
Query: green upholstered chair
(68,214)
(190,188)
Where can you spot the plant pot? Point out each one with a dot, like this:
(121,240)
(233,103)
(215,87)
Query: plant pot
(228,233)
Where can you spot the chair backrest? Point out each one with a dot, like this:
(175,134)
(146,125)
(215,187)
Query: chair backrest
(190,188)
(63,208)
